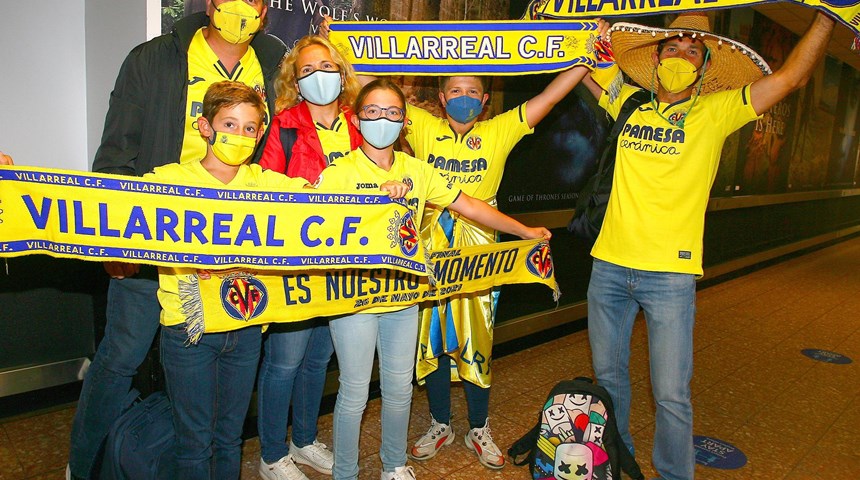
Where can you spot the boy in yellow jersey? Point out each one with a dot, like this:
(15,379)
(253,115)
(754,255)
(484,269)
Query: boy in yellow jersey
(210,382)
(471,155)
(649,250)
(151,121)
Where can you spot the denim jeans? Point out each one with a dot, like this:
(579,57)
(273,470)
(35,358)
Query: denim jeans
(293,371)
(394,335)
(438,386)
(615,295)
(210,386)
(132,320)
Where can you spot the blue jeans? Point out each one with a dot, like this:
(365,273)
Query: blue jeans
(132,320)
(294,368)
(210,386)
(615,295)
(439,396)
(394,335)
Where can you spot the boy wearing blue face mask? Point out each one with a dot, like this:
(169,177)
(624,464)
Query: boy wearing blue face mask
(471,155)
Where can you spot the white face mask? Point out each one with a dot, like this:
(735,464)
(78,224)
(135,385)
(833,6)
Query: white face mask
(320,87)
(381,132)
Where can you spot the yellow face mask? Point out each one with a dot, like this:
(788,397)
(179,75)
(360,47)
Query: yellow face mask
(676,74)
(237,21)
(232,149)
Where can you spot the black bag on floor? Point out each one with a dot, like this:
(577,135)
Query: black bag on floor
(140,443)
(575,437)
(594,196)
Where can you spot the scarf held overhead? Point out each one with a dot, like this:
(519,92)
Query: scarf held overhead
(845,11)
(98,217)
(465,48)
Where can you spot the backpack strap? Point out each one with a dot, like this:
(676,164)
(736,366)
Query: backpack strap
(288,139)
(639,98)
(628,463)
(521,451)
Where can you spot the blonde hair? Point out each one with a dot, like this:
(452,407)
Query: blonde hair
(285,85)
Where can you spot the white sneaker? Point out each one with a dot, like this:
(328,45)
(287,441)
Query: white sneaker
(400,473)
(480,441)
(283,469)
(436,437)
(315,455)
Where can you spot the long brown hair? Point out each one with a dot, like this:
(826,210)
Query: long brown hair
(285,85)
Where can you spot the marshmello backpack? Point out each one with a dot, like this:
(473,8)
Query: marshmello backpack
(575,437)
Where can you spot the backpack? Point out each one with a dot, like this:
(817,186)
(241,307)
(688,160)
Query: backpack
(140,443)
(575,437)
(594,196)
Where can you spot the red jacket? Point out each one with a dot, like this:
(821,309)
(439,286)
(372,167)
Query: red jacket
(307,159)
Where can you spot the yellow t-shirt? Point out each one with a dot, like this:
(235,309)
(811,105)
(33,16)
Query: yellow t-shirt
(473,162)
(356,171)
(195,173)
(655,219)
(204,69)
(334,139)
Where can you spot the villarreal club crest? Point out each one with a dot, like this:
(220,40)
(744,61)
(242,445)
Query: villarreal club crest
(403,232)
(539,261)
(243,296)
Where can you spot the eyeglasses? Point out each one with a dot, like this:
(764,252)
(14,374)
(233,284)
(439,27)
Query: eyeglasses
(373,112)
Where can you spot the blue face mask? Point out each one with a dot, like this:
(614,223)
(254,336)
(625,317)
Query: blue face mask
(320,87)
(464,109)
(381,132)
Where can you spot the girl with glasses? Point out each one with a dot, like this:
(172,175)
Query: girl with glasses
(391,332)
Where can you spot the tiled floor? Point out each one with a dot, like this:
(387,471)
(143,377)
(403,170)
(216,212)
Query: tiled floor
(793,417)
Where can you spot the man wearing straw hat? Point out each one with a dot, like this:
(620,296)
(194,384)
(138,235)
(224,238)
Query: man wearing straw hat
(649,251)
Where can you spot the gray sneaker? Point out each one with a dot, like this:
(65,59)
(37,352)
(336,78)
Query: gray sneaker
(428,446)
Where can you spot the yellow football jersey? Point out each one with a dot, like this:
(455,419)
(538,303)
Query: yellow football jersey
(334,139)
(204,69)
(655,219)
(473,162)
(194,173)
(356,171)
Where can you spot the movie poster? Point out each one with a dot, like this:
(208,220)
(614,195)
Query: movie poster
(811,149)
(844,146)
(546,168)
(765,144)
(288,20)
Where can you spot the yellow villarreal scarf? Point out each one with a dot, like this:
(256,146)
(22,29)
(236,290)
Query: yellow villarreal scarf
(465,48)
(104,217)
(845,11)
(301,254)
(235,300)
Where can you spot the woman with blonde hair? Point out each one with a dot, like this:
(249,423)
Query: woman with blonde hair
(313,126)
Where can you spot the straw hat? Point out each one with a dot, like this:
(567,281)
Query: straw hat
(733,64)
